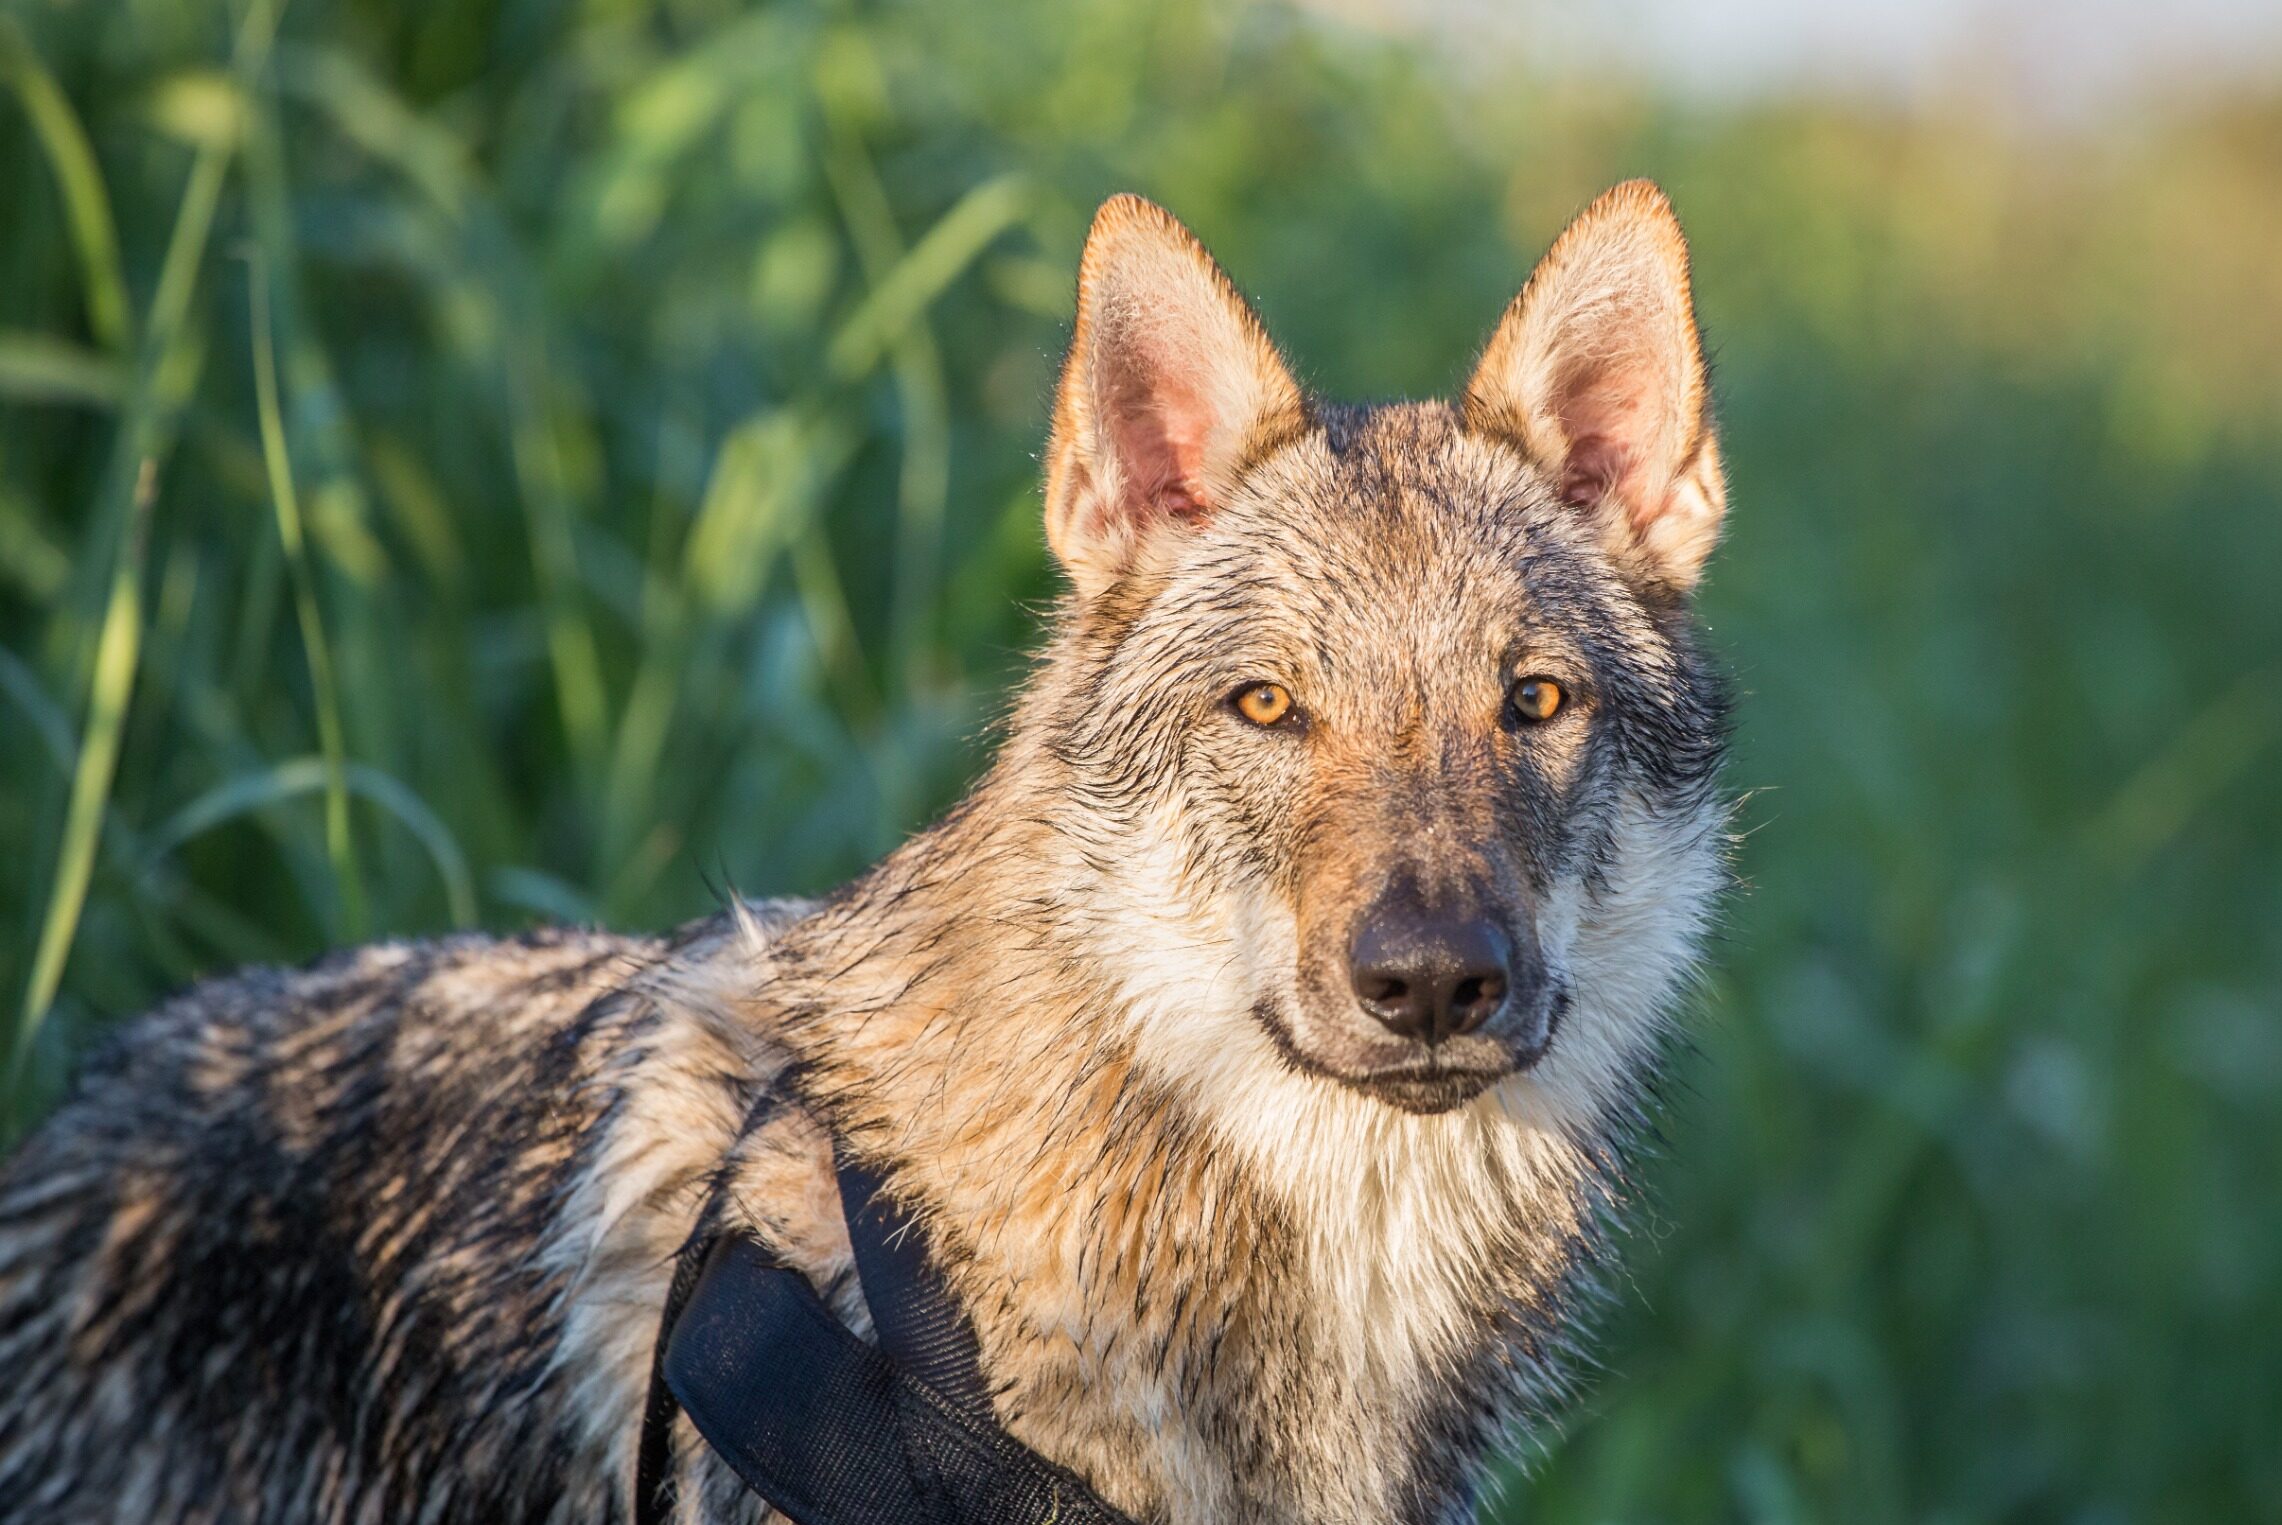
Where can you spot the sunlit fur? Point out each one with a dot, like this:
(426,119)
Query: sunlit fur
(388,1237)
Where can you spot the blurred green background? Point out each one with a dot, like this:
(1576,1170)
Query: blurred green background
(474,462)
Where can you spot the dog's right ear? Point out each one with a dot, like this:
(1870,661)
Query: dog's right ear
(1170,390)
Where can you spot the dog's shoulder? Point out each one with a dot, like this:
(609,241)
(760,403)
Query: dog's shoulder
(426,1189)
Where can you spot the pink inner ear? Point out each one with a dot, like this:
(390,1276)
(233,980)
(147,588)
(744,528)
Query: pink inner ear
(1159,435)
(1595,465)
(1609,416)
(1159,465)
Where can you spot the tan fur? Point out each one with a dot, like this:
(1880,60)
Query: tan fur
(1235,1249)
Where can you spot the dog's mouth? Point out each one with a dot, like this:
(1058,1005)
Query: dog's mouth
(1425,1090)
(1418,1079)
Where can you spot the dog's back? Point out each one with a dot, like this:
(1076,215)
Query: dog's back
(311,1245)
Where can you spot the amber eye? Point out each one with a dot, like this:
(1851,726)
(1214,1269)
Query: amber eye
(1263,703)
(1536,699)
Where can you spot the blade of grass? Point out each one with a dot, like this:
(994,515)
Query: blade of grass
(22,686)
(30,562)
(541,893)
(166,360)
(571,645)
(87,205)
(37,368)
(44,715)
(924,488)
(2218,745)
(824,604)
(117,652)
(889,319)
(770,475)
(435,164)
(299,776)
(145,437)
(916,279)
(340,835)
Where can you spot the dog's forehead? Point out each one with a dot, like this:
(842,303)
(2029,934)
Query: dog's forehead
(1388,431)
(1396,521)
(1396,484)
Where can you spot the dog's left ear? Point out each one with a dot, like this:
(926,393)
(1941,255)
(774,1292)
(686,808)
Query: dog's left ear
(1597,372)
(1171,388)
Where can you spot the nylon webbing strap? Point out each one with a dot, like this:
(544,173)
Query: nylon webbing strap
(917,1324)
(759,1364)
(653,1461)
(831,1430)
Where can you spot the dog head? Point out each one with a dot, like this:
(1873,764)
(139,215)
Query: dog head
(1383,735)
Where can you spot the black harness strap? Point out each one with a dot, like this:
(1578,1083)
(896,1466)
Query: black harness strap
(917,1324)
(828,1429)
(653,1463)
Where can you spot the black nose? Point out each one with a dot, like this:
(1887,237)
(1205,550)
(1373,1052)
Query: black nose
(1426,975)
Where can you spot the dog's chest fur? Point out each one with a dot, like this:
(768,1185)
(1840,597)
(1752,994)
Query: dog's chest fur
(1168,1327)
(1212,1324)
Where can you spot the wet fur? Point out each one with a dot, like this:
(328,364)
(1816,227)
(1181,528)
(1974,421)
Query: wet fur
(387,1238)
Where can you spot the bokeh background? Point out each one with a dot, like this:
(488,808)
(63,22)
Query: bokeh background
(490,460)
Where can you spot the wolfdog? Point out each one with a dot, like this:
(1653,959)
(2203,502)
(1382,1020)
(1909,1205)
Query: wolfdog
(1259,1043)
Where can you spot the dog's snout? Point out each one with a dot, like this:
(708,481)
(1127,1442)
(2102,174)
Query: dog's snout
(1429,975)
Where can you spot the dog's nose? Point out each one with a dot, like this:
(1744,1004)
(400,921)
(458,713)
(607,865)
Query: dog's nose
(1429,976)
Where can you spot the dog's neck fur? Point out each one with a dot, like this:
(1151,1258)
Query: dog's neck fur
(1208,1281)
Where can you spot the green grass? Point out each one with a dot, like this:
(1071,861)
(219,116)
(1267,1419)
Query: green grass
(475,463)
